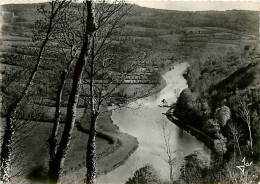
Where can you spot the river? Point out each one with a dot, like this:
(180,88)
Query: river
(144,124)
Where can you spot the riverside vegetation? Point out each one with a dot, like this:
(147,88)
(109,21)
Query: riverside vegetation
(221,107)
(222,100)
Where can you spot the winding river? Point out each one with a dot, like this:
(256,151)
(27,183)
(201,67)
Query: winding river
(144,124)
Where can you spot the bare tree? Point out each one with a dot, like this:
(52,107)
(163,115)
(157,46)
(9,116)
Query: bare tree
(66,46)
(108,66)
(87,31)
(171,156)
(12,110)
(243,111)
(93,48)
(86,43)
(236,133)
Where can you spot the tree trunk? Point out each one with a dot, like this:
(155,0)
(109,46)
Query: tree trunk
(56,166)
(238,145)
(171,173)
(53,138)
(91,146)
(6,154)
(91,152)
(250,134)
(6,148)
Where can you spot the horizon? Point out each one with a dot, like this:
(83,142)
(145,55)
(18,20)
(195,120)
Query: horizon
(174,5)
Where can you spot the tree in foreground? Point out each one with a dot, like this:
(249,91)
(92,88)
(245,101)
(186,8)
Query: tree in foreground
(97,57)
(243,111)
(111,62)
(101,64)
(87,29)
(169,154)
(13,106)
(64,50)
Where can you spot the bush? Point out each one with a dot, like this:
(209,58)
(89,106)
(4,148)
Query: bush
(195,167)
(144,175)
(212,126)
(185,100)
(220,144)
(120,97)
(222,115)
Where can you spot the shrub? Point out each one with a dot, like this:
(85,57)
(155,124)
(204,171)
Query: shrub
(212,126)
(195,167)
(220,144)
(222,115)
(144,175)
(120,97)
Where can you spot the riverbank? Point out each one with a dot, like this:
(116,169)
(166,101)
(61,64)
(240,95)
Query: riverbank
(208,141)
(119,150)
(127,145)
(144,124)
(111,154)
(113,148)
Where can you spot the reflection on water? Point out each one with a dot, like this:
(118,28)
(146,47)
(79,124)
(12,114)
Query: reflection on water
(144,124)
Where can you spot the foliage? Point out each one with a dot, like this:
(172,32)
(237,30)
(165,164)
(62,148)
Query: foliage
(195,168)
(145,175)
(205,108)
(236,80)
(187,108)
(220,93)
(120,97)
(222,115)
(234,20)
(220,144)
(212,126)
(185,100)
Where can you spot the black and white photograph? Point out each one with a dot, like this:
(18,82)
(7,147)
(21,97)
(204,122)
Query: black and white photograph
(129,92)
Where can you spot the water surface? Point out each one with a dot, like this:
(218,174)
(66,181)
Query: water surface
(145,125)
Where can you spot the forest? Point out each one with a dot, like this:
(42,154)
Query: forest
(222,104)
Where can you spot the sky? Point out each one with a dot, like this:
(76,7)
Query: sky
(201,5)
(179,5)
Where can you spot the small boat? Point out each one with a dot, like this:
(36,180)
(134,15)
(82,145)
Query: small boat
(164,105)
